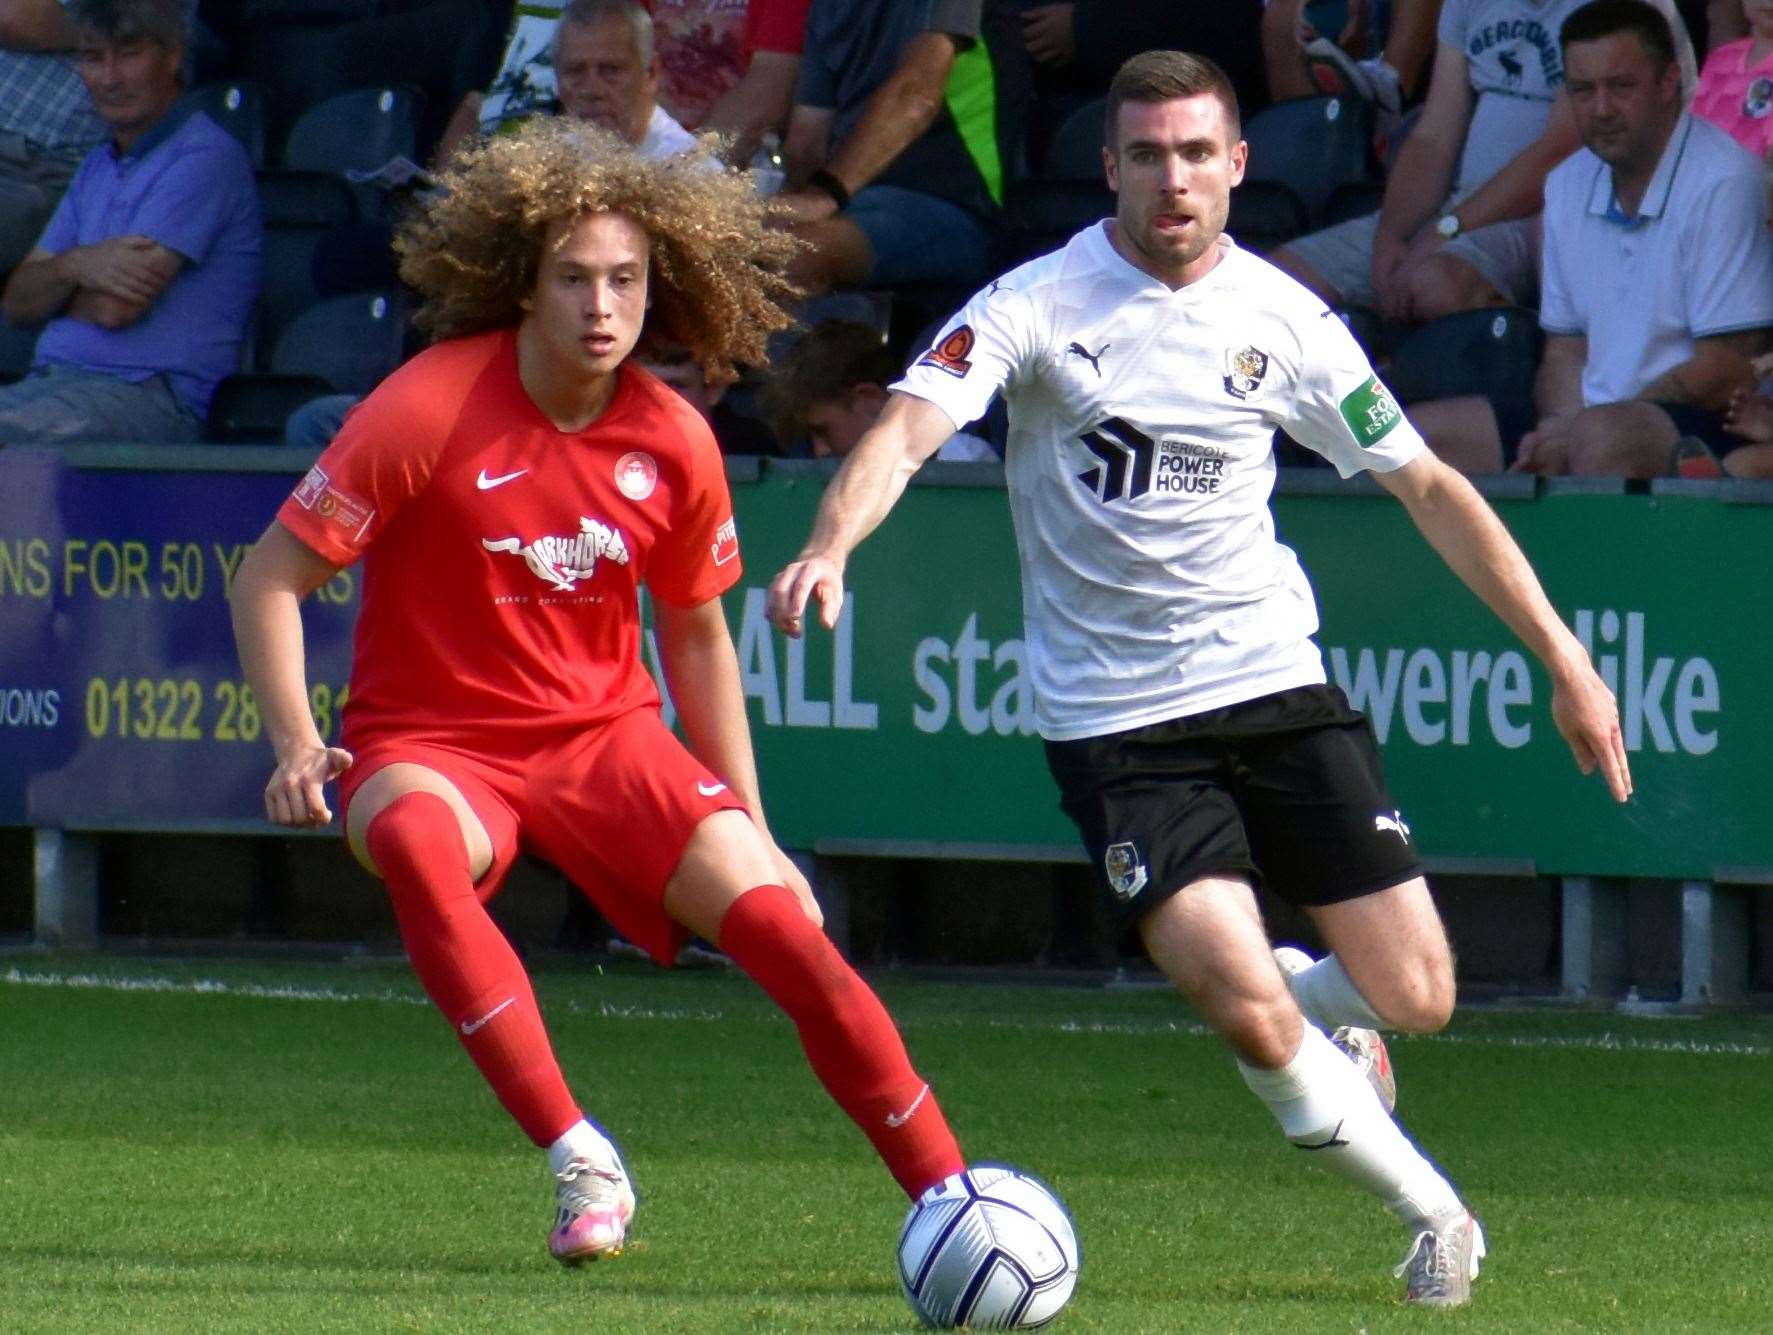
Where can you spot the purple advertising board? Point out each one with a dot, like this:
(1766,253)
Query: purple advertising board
(122,704)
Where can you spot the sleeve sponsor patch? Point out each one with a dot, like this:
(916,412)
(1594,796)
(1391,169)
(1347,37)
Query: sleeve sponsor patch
(1371,413)
(309,489)
(345,510)
(726,542)
(952,353)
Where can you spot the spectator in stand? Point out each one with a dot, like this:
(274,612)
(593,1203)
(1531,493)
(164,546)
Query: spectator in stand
(832,386)
(1303,62)
(146,275)
(759,102)
(47,123)
(1735,90)
(1459,226)
(1658,277)
(677,366)
(606,72)
(905,118)
(1089,40)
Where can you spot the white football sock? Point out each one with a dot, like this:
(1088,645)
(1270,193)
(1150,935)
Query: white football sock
(1325,1105)
(1329,997)
(581,1140)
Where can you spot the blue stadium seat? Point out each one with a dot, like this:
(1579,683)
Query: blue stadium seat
(1043,215)
(351,342)
(1352,199)
(251,408)
(239,108)
(1492,352)
(1264,215)
(360,129)
(1075,151)
(1313,145)
(299,208)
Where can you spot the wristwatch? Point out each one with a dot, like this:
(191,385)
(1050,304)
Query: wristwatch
(1448,226)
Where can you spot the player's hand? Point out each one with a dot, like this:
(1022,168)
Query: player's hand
(1050,34)
(1588,716)
(796,880)
(814,577)
(295,794)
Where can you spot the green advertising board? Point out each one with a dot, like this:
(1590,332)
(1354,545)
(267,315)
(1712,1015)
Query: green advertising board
(913,722)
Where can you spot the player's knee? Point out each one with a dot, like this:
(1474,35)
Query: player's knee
(1425,1003)
(1261,1035)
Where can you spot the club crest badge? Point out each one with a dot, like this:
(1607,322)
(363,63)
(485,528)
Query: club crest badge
(637,474)
(1126,873)
(1244,370)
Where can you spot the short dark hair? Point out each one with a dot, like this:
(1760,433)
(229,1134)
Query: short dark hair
(828,361)
(1161,76)
(165,21)
(1603,18)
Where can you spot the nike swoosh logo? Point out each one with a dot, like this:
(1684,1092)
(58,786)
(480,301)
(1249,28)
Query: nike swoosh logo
(486,483)
(475,1026)
(899,1119)
(710,789)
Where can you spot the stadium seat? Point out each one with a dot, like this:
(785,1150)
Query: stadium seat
(1312,144)
(299,208)
(239,108)
(350,342)
(1352,199)
(1265,214)
(1075,151)
(1043,215)
(360,130)
(1492,352)
(251,408)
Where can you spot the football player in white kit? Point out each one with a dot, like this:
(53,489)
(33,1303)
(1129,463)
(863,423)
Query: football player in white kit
(1184,707)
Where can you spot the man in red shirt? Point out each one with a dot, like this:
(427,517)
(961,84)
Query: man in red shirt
(510,490)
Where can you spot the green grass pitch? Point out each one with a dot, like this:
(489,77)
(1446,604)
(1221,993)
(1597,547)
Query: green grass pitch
(209,1159)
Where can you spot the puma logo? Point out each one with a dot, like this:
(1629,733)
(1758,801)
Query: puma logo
(1093,358)
(1329,1142)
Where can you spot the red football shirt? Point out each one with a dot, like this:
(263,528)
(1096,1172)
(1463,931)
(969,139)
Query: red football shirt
(503,557)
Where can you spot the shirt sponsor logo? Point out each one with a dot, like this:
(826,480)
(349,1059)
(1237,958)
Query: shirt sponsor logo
(726,542)
(1244,370)
(1371,413)
(951,353)
(637,473)
(563,561)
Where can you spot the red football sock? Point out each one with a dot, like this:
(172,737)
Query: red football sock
(467,967)
(849,1038)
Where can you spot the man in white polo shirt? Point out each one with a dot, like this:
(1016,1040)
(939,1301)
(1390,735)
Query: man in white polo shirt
(1658,275)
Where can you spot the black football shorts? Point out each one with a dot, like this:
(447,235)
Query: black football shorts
(1286,790)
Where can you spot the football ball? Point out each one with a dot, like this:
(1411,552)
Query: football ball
(990,1249)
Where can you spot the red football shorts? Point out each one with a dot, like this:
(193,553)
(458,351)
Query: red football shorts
(612,808)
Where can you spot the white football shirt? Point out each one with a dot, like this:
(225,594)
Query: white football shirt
(1140,463)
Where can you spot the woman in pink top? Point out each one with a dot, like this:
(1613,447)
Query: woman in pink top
(1735,89)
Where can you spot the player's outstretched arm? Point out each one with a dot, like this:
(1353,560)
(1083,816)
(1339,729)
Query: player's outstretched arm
(702,670)
(862,494)
(1471,539)
(265,599)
